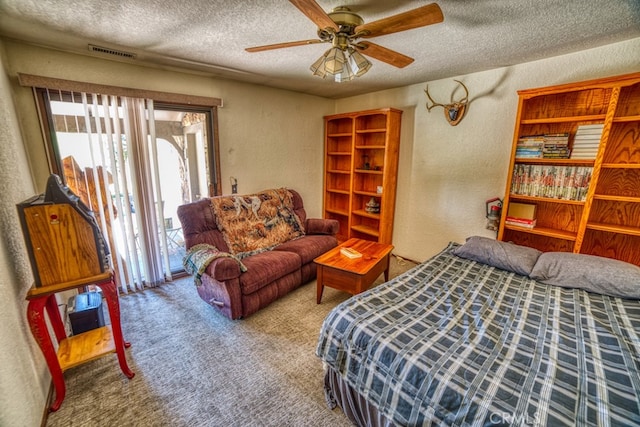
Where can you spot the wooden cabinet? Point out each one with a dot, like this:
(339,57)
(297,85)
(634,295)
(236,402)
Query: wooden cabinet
(361,166)
(605,221)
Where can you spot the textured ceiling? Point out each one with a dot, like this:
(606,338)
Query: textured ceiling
(210,36)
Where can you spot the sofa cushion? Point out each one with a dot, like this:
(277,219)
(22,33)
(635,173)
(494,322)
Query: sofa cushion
(199,225)
(309,247)
(256,222)
(322,226)
(265,267)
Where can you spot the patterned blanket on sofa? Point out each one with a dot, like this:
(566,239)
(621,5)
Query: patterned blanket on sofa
(199,257)
(256,222)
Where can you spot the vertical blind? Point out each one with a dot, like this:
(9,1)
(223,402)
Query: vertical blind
(121,145)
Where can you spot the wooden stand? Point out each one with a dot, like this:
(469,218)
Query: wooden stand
(81,348)
(352,275)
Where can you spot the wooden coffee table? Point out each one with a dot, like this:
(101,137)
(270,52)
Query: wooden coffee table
(353,275)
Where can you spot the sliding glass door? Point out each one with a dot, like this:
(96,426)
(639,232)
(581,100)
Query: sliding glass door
(134,162)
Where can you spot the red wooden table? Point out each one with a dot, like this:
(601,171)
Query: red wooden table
(81,348)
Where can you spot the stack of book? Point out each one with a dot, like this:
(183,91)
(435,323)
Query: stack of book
(548,146)
(556,182)
(587,141)
(556,146)
(530,147)
(521,215)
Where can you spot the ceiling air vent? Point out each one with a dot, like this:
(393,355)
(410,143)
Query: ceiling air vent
(113,52)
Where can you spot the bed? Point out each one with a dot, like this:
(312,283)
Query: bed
(489,333)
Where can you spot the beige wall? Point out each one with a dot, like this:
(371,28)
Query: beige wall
(23,376)
(447,173)
(259,127)
(273,138)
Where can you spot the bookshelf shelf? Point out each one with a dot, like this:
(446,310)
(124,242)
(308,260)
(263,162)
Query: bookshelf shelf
(568,119)
(337,212)
(366,193)
(544,231)
(605,220)
(362,212)
(374,172)
(630,199)
(370,147)
(337,191)
(620,166)
(559,162)
(370,231)
(613,228)
(521,197)
(382,130)
(626,119)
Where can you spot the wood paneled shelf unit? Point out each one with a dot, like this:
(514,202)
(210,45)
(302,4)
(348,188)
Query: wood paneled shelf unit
(605,221)
(361,164)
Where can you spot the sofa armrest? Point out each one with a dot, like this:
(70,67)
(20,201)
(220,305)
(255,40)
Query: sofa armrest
(223,269)
(322,226)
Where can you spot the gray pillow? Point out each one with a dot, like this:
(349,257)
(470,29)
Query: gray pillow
(601,275)
(504,255)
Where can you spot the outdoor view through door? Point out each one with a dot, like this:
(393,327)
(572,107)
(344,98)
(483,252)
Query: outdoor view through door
(148,159)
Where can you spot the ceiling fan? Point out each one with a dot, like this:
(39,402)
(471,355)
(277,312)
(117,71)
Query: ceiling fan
(344,29)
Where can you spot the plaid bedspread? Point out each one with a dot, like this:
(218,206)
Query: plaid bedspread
(456,342)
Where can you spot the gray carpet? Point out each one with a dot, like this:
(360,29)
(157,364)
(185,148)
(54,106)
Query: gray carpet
(194,367)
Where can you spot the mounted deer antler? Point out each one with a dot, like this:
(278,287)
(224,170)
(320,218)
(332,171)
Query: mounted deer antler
(453,112)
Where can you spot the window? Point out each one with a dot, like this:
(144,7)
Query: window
(147,157)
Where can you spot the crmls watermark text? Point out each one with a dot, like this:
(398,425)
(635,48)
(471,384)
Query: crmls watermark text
(515,420)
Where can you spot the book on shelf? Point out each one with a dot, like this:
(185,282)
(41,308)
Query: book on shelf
(593,128)
(554,145)
(521,214)
(522,211)
(518,222)
(530,146)
(555,182)
(587,141)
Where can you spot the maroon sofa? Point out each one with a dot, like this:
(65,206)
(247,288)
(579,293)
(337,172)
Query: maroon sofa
(269,275)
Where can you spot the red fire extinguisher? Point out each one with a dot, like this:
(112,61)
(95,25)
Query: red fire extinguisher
(494,209)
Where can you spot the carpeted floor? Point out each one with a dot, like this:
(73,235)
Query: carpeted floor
(194,367)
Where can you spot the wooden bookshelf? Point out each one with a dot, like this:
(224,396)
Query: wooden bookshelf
(361,154)
(607,221)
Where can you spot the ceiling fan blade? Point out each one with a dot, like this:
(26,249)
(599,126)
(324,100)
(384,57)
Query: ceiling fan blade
(314,12)
(383,54)
(282,45)
(420,17)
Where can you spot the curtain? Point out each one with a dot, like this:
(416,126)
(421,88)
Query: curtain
(115,171)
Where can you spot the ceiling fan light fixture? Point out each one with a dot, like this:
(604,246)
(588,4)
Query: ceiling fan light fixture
(342,65)
(318,68)
(358,63)
(334,61)
(345,75)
